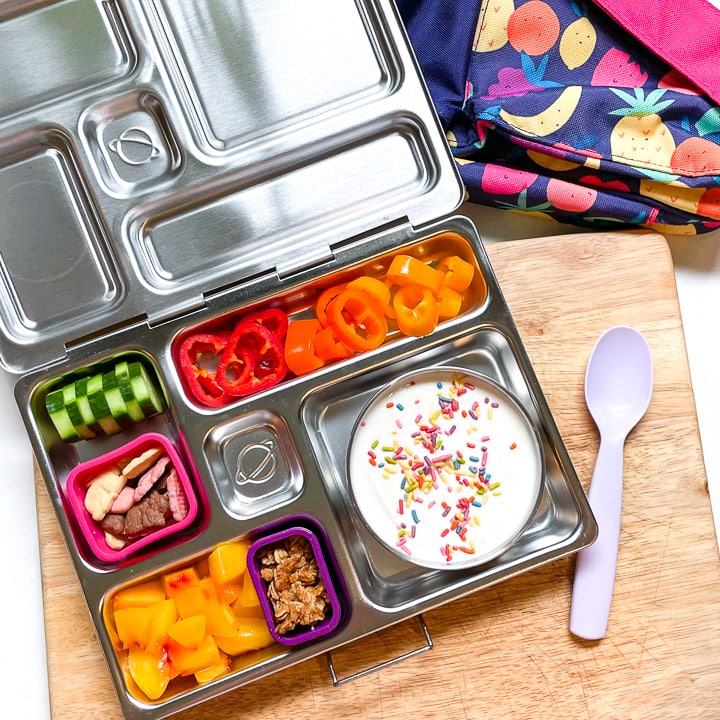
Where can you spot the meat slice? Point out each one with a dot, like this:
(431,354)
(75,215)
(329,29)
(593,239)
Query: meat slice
(147,515)
(179,505)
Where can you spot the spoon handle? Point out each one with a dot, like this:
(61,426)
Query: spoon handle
(595,568)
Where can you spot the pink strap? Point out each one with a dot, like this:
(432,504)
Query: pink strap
(685,33)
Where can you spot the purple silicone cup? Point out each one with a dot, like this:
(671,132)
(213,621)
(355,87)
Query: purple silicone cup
(81,476)
(298,635)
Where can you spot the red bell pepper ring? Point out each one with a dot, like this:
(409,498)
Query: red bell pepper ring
(199,356)
(253,360)
(272,318)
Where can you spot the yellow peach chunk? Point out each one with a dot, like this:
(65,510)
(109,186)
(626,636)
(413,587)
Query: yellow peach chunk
(188,632)
(214,671)
(188,662)
(227,562)
(179,580)
(229,593)
(252,634)
(150,670)
(140,595)
(162,615)
(192,601)
(133,626)
(221,620)
(249,597)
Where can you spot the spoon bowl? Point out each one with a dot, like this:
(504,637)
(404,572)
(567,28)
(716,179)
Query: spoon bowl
(618,388)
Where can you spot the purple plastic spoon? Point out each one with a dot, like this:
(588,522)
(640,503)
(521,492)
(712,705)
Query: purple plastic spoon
(618,386)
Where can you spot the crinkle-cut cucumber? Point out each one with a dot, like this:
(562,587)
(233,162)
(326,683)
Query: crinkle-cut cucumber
(122,376)
(59,416)
(100,407)
(144,389)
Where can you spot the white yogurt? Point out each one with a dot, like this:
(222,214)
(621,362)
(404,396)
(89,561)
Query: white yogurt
(445,468)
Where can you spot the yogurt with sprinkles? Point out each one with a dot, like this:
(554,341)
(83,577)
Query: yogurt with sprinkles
(445,468)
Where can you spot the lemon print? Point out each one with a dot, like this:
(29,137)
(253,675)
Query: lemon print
(577,43)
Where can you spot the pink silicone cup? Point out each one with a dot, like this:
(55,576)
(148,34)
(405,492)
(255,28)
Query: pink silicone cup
(296,636)
(80,477)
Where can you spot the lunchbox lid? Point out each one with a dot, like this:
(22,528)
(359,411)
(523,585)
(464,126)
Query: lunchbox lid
(174,148)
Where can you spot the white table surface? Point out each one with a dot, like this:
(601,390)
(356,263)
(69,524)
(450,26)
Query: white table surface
(23,673)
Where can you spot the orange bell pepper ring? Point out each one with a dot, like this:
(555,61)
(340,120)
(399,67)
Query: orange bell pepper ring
(324,299)
(457,273)
(378,291)
(328,347)
(300,355)
(449,302)
(406,270)
(355,321)
(416,310)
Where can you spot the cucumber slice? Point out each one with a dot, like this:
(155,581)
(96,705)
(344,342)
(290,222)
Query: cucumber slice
(122,375)
(83,405)
(55,406)
(73,411)
(144,389)
(114,399)
(99,406)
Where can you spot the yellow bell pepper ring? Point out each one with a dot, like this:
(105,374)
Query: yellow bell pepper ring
(416,310)
(457,273)
(406,270)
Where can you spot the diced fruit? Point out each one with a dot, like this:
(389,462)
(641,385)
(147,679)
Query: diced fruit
(179,580)
(188,632)
(221,620)
(150,670)
(192,601)
(140,595)
(231,592)
(133,626)
(227,562)
(214,671)
(251,634)
(187,662)
(162,615)
(249,597)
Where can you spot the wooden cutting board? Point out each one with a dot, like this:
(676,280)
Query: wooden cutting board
(505,653)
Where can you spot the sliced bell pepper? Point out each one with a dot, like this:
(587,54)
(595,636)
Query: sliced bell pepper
(406,270)
(457,273)
(416,310)
(253,360)
(272,318)
(449,302)
(328,347)
(355,321)
(199,356)
(378,291)
(300,354)
(324,299)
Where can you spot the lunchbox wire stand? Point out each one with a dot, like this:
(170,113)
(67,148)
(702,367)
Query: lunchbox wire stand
(428,645)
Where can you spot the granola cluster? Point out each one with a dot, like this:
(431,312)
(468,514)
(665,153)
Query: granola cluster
(295,588)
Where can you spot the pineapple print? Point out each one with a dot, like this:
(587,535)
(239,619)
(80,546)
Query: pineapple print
(640,137)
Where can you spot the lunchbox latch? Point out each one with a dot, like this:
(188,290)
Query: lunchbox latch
(306,258)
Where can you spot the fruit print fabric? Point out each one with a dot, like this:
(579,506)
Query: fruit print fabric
(551,107)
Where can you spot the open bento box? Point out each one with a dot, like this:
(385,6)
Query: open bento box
(228,255)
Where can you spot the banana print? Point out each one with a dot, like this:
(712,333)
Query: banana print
(549,120)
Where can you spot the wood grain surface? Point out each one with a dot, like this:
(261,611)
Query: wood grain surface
(505,653)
